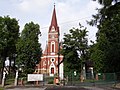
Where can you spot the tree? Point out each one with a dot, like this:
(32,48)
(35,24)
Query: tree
(71,60)
(96,56)
(28,48)
(75,47)
(9,34)
(106,3)
(108,43)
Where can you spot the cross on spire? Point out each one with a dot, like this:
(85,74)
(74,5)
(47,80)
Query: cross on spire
(54,4)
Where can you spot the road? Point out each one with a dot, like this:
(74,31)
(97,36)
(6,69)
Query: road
(54,88)
(66,88)
(60,88)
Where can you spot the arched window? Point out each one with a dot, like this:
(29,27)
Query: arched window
(52,46)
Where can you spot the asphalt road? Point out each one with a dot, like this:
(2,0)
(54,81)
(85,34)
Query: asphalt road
(52,88)
(60,88)
(66,88)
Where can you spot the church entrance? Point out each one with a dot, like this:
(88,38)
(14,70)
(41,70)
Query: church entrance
(52,70)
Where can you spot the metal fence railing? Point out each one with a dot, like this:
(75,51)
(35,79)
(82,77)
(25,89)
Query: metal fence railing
(71,78)
(99,79)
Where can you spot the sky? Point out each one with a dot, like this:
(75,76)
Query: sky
(69,14)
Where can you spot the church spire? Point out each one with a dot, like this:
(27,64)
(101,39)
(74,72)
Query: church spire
(54,18)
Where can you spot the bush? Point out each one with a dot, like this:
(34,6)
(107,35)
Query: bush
(50,82)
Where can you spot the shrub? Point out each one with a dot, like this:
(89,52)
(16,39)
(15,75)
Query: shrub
(50,82)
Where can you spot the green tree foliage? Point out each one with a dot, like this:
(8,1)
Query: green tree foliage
(106,3)
(96,56)
(9,34)
(105,52)
(75,48)
(71,60)
(28,48)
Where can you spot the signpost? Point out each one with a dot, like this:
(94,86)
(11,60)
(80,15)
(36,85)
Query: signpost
(35,77)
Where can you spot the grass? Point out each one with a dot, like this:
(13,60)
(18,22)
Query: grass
(1,88)
(9,81)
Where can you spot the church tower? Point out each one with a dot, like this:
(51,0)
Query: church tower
(50,58)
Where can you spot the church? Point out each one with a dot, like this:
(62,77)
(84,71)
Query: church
(50,58)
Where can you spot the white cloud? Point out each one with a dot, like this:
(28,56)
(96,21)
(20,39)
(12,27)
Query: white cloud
(75,12)
(69,13)
(33,5)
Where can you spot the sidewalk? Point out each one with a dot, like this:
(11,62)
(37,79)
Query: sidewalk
(101,88)
(26,89)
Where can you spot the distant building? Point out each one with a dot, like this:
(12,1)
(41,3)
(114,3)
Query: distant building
(49,60)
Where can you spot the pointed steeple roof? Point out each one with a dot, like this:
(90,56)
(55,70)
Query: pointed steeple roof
(54,22)
(54,18)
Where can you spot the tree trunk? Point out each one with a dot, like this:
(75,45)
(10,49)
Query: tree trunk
(3,64)
(0,76)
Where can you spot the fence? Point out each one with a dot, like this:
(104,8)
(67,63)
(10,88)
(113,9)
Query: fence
(70,78)
(99,79)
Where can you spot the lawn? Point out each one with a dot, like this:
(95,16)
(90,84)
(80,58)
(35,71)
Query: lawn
(1,88)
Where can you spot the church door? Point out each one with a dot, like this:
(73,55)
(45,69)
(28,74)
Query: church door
(52,70)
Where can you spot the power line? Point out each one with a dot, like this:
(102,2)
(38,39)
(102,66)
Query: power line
(90,37)
(68,22)
(74,20)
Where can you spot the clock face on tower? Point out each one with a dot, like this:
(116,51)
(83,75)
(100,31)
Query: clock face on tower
(52,36)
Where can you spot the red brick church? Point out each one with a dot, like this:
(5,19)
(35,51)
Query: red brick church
(49,60)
